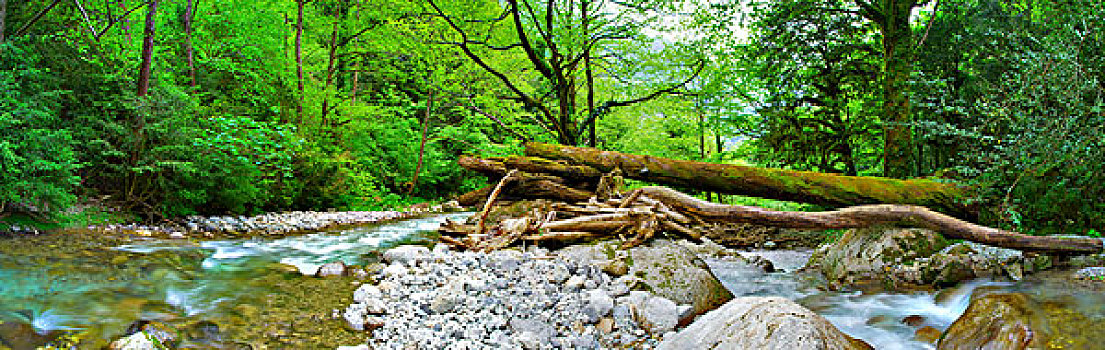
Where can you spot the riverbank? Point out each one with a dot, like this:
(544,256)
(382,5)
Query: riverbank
(270,224)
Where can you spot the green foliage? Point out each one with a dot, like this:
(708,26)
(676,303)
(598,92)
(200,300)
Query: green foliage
(237,165)
(1028,123)
(37,162)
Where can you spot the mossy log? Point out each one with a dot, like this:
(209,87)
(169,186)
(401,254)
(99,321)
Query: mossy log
(829,190)
(494,167)
(871,215)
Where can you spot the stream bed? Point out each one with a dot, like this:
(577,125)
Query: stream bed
(251,293)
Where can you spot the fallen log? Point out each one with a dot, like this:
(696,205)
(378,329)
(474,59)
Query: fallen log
(830,190)
(531,186)
(871,215)
(494,167)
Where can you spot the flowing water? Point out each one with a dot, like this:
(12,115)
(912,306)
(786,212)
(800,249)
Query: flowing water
(96,284)
(252,291)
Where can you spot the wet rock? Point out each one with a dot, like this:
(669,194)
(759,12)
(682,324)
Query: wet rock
(1094,273)
(870,255)
(20,335)
(146,335)
(331,269)
(995,321)
(914,320)
(761,323)
(927,334)
(1020,321)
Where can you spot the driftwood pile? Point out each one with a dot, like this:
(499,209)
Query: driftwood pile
(588,201)
(634,218)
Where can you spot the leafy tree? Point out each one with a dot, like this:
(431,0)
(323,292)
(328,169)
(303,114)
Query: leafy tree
(561,47)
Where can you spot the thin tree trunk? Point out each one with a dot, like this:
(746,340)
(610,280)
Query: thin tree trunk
(330,68)
(593,139)
(3,16)
(188,53)
(422,145)
(147,51)
(27,26)
(299,61)
(356,74)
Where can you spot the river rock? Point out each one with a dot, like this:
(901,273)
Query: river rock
(761,323)
(663,267)
(678,274)
(146,336)
(331,269)
(1093,273)
(598,305)
(21,335)
(1019,321)
(407,254)
(658,315)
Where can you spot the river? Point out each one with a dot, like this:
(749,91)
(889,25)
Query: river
(252,292)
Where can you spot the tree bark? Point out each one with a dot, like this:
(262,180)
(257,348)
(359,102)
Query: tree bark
(592,140)
(422,145)
(3,16)
(892,19)
(330,68)
(494,167)
(188,53)
(126,22)
(299,61)
(147,50)
(871,215)
(799,186)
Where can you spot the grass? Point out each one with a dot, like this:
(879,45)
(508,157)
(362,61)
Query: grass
(85,217)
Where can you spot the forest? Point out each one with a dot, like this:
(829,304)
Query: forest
(163,109)
(552,174)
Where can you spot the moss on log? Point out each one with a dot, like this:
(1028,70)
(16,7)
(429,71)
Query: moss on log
(872,215)
(829,190)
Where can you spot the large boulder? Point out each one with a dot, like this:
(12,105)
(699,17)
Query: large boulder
(866,256)
(663,268)
(761,323)
(898,258)
(1013,321)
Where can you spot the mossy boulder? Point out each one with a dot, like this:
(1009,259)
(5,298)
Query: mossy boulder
(869,256)
(664,268)
(1016,321)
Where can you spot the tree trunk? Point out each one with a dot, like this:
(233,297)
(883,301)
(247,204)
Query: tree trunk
(3,16)
(872,215)
(422,145)
(330,67)
(147,51)
(299,61)
(808,187)
(897,45)
(592,140)
(494,167)
(188,54)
